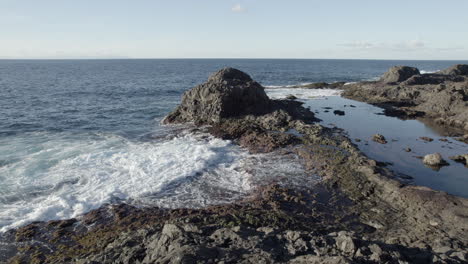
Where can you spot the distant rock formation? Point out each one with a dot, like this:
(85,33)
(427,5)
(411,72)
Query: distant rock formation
(441,97)
(459,69)
(398,74)
(227,93)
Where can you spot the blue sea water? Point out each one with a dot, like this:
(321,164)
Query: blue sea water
(76,134)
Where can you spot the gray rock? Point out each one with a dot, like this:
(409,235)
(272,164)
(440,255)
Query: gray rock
(379,139)
(398,74)
(460,158)
(227,93)
(459,69)
(434,159)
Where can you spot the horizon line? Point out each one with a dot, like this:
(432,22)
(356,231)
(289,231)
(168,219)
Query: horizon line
(227,58)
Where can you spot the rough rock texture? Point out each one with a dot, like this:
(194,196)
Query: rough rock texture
(398,74)
(459,69)
(460,158)
(227,93)
(434,159)
(438,98)
(379,139)
(360,213)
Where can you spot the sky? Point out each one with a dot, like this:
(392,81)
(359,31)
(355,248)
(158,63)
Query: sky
(331,29)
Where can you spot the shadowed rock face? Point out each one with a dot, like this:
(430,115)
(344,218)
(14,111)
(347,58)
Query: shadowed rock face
(459,69)
(398,74)
(227,93)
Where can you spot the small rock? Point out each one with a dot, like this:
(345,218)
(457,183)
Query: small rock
(434,159)
(357,140)
(379,139)
(427,139)
(408,149)
(339,112)
(291,97)
(460,158)
(345,243)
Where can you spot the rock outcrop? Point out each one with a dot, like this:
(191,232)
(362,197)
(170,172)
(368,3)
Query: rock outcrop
(398,74)
(227,93)
(442,98)
(459,69)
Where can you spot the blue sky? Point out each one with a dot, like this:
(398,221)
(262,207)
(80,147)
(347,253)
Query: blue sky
(349,29)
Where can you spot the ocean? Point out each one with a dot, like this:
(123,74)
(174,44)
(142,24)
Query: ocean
(79,134)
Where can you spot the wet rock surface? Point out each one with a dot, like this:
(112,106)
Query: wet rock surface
(359,213)
(379,139)
(441,97)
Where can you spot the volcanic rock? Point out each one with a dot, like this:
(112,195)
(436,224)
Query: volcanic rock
(434,160)
(379,139)
(398,74)
(459,69)
(460,158)
(227,93)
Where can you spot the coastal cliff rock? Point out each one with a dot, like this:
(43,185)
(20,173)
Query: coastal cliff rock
(459,69)
(398,74)
(227,93)
(441,98)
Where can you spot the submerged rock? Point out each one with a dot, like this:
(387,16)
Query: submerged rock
(435,160)
(427,139)
(339,112)
(379,139)
(460,158)
(227,93)
(398,74)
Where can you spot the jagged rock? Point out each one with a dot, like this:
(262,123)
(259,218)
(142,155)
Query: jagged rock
(379,139)
(459,69)
(227,93)
(434,159)
(398,74)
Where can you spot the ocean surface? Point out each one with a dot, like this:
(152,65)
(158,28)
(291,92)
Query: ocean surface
(78,134)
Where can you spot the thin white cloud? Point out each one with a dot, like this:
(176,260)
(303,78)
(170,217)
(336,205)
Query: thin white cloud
(238,9)
(409,45)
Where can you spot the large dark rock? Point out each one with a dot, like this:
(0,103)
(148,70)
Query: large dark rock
(459,69)
(227,93)
(398,74)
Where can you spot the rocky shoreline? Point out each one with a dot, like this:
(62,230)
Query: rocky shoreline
(440,97)
(359,213)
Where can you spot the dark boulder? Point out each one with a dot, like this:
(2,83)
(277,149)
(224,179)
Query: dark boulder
(459,69)
(379,139)
(227,93)
(398,74)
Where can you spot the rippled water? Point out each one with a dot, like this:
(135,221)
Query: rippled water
(78,134)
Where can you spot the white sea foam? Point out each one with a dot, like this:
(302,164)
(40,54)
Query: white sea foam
(301,93)
(47,178)
(425,72)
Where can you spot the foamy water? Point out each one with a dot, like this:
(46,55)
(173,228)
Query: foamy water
(64,177)
(301,93)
